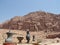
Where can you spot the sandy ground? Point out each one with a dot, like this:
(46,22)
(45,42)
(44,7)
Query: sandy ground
(40,36)
(3,35)
(51,44)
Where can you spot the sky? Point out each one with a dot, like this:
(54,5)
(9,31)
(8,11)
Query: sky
(11,8)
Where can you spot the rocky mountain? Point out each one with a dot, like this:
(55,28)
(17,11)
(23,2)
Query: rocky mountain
(43,20)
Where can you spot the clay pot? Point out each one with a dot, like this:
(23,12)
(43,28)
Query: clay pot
(20,39)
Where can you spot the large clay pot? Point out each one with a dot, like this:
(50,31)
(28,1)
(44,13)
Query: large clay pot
(8,40)
(9,36)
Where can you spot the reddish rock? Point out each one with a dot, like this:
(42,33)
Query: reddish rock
(43,20)
(53,36)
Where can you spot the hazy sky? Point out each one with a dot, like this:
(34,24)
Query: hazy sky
(11,8)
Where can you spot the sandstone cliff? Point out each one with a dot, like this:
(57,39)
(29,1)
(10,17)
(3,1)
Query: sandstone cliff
(45,21)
